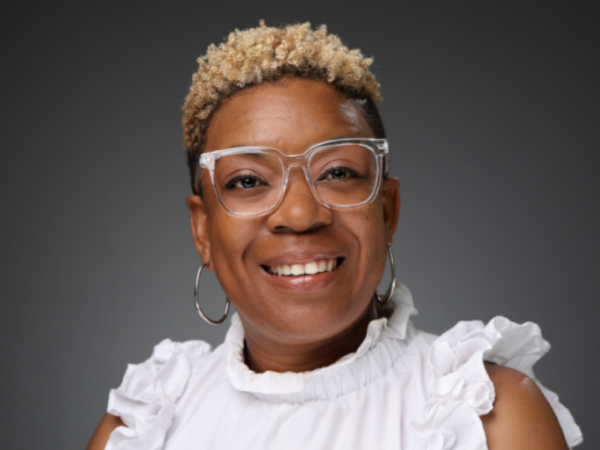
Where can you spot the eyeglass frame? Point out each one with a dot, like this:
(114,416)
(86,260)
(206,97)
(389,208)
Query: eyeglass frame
(379,147)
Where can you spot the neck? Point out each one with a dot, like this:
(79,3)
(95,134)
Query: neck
(263,354)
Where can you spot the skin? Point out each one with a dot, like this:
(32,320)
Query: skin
(303,324)
(522,417)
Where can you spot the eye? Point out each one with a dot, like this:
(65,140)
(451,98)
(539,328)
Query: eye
(339,173)
(246,181)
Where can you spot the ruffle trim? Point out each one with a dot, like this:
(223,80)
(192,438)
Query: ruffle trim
(370,361)
(146,399)
(461,390)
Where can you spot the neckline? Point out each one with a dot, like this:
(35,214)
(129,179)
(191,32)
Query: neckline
(378,351)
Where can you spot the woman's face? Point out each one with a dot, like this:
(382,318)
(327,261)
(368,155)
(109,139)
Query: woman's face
(292,115)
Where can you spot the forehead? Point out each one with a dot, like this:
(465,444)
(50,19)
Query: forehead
(290,115)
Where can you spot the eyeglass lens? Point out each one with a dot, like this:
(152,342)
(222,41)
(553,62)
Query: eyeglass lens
(251,183)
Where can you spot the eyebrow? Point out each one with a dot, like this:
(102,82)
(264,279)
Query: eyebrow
(253,155)
(343,136)
(340,136)
(241,145)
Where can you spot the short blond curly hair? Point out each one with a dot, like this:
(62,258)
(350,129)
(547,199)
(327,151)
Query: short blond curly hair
(268,54)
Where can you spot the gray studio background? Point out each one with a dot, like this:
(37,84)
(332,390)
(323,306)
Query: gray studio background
(492,113)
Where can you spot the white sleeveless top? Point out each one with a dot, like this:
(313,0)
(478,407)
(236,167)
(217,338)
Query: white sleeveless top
(402,389)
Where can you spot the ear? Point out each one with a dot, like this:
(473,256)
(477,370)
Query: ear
(200,226)
(390,192)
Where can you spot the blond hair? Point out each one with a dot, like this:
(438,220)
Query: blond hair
(250,57)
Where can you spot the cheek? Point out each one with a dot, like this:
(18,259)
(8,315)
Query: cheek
(227,238)
(367,227)
(373,243)
(230,238)
(370,226)
(228,235)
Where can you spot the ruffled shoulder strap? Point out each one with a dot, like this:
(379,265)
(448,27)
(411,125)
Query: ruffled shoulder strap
(460,389)
(146,399)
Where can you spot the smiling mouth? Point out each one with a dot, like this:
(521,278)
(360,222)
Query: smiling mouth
(299,270)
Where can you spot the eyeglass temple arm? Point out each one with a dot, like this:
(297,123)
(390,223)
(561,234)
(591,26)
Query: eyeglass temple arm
(386,156)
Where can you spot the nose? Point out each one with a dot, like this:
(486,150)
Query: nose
(299,210)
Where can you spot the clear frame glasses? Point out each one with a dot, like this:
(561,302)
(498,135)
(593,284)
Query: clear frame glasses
(341,173)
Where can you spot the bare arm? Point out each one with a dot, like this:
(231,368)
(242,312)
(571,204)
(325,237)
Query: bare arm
(102,433)
(522,418)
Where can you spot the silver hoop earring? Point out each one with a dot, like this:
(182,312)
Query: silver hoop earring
(197,300)
(383,299)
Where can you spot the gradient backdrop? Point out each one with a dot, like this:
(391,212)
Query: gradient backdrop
(492,112)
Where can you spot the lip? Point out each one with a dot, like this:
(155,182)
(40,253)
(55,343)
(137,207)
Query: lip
(303,283)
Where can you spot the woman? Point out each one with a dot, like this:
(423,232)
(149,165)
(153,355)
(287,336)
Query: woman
(294,210)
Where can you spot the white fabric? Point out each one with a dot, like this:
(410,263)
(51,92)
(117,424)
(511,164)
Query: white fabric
(402,389)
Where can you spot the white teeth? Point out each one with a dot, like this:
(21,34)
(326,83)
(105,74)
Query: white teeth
(311,268)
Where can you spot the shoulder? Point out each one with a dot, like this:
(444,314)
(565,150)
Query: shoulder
(521,417)
(517,411)
(162,376)
(107,425)
(142,408)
